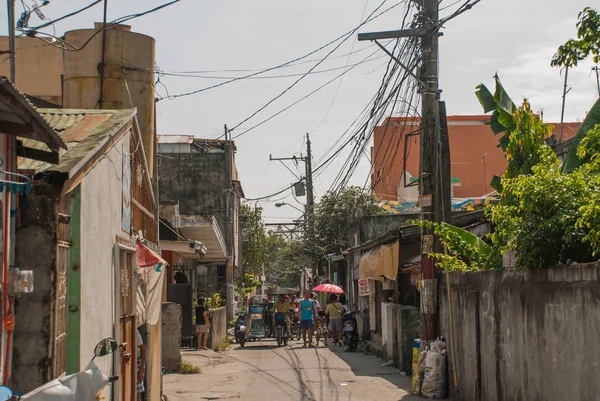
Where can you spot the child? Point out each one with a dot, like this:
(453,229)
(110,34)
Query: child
(321,327)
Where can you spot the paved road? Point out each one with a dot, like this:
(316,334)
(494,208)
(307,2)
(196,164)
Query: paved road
(263,372)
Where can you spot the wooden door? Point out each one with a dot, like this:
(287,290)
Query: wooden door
(127,328)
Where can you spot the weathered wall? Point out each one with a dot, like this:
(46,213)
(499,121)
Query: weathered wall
(407,326)
(101,210)
(171,334)
(525,335)
(39,68)
(218,326)
(198,181)
(400,326)
(36,251)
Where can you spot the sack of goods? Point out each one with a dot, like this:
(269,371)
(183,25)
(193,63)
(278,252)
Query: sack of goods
(415,366)
(435,383)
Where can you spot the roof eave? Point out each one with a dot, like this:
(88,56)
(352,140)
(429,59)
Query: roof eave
(41,130)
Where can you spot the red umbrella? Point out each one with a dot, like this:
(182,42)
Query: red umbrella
(329,288)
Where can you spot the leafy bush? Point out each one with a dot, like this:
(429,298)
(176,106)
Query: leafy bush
(223,344)
(216,301)
(187,368)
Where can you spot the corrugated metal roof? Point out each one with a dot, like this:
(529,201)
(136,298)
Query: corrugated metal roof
(82,130)
(26,111)
(170,138)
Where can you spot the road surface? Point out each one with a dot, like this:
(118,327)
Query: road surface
(263,372)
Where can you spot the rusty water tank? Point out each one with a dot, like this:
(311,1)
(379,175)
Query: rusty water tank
(129,62)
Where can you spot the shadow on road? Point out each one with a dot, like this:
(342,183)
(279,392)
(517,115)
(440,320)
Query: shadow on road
(371,366)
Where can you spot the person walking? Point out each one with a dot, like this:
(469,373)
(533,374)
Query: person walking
(307,314)
(335,311)
(202,324)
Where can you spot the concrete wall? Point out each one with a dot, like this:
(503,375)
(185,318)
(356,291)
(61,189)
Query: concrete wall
(171,334)
(36,250)
(101,210)
(39,68)
(400,326)
(525,335)
(470,138)
(198,181)
(218,326)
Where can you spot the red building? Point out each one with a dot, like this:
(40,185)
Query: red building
(474,154)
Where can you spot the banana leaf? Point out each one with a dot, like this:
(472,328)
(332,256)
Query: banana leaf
(572,161)
(471,239)
(502,120)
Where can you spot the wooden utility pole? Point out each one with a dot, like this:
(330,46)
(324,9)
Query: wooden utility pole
(9,204)
(434,176)
(430,128)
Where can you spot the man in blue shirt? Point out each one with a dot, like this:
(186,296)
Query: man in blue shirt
(307,314)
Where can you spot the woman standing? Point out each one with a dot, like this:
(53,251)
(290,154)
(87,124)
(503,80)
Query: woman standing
(202,324)
(335,311)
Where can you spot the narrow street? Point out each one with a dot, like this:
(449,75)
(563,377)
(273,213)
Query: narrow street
(264,372)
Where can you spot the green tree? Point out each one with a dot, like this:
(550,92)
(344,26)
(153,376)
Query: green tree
(586,44)
(334,216)
(254,238)
(285,261)
(254,245)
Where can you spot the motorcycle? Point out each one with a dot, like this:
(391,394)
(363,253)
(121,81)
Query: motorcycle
(280,328)
(239,332)
(86,385)
(295,313)
(350,337)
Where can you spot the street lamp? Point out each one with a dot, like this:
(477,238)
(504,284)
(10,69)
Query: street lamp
(280,204)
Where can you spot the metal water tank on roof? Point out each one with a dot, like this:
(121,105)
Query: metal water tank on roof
(128,82)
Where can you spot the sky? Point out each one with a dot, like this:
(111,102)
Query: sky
(515,38)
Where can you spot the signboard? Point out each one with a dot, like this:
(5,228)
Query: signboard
(126,214)
(363,287)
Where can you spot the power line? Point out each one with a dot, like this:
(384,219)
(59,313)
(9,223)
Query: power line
(107,26)
(172,97)
(311,69)
(53,21)
(171,74)
(301,99)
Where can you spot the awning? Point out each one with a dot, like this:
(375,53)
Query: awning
(145,256)
(380,262)
(18,117)
(185,249)
(206,230)
(149,295)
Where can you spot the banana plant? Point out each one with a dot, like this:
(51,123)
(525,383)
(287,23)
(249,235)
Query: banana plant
(502,120)
(571,160)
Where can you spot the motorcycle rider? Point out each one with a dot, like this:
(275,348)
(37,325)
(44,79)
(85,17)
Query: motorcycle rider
(283,306)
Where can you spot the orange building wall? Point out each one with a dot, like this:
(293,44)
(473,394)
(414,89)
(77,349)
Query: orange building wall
(471,142)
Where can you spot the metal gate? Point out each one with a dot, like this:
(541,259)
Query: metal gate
(182,294)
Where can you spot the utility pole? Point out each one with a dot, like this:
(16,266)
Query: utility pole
(434,152)
(11,155)
(564,98)
(310,197)
(597,70)
(429,135)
